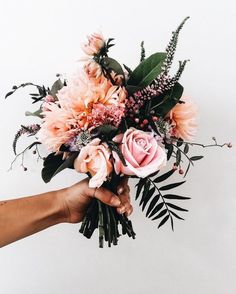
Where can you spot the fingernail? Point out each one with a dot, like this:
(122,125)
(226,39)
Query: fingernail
(122,209)
(115,201)
(120,190)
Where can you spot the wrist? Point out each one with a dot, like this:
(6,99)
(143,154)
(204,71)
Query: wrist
(63,210)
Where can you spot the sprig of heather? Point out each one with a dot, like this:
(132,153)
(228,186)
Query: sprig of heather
(30,130)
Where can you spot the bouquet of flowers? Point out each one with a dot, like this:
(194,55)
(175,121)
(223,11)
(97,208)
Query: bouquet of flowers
(109,121)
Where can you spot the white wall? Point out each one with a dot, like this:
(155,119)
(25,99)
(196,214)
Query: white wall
(41,38)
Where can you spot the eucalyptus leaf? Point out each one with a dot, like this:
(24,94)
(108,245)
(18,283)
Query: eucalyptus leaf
(58,85)
(112,64)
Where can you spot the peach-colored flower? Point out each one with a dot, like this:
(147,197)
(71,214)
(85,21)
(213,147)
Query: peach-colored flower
(94,44)
(183,120)
(92,69)
(142,153)
(95,159)
(57,128)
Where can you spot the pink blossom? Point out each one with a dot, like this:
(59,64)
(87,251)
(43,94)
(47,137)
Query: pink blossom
(95,159)
(142,153)
(183,120)
(94,44)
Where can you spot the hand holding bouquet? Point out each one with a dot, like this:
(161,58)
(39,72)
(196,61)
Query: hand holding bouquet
(111,122)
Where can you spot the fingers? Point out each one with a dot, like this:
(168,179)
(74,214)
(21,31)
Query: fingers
(107,197)
(123,193)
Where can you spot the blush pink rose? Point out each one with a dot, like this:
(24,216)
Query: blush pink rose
(142,153)
(95,159)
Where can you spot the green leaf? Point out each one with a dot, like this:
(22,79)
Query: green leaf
(139,187)
(152,204)
(9,94)
(132,89)
(170,151)
(145,191)
(173,196)
(186,148)
(194,158)
(178,157)
(171,186)
(164,176)
(164,220)
(68,163)
(147,70)
(175,206)
(170,100)
(128,69)
(37,113)
(162,213)
(175,215)
(148,197)
(58,85)
(187,169)
(156,209)
(180,142)
(53,164)
(112,64)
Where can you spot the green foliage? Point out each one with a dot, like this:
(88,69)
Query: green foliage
(54,164)
(111,64)
(142,57)
(147,70)
(154,200)
(58,85)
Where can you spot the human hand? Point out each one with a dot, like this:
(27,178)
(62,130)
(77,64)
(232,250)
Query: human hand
(75,199)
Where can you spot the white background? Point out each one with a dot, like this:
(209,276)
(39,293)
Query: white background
(42,38)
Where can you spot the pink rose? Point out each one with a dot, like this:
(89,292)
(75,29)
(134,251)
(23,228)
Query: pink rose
(95,159)
(142,153)
(95,43)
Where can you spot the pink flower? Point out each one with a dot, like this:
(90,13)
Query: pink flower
(95,43)
(95,159)
(57,128)
(142,153)
(92,69)
(183,120)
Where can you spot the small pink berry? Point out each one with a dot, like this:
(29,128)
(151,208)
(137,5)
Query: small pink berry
(155,118)
(141,125)
(145,121)
(137,120)
(181,171)
(175,167)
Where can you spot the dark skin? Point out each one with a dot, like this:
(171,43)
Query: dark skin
(68,205)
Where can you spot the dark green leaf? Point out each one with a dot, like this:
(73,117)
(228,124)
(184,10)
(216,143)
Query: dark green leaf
(139,187)
(175,206)
(128,69)
(164,176)
(152,204)
(162,213)
(9,94)
(171,186)
(148,197)
(187,169)
(68,163)
(51,164)
(175,215)
(112,64)
(170,151)
(147,70)
(164,220)
(145,191)
(178,157)
(132,89)
(177,197)
(179,142)
(172,223)
(186,148)
(194,158)
(156,209)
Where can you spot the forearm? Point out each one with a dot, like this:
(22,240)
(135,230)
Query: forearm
(25,216)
